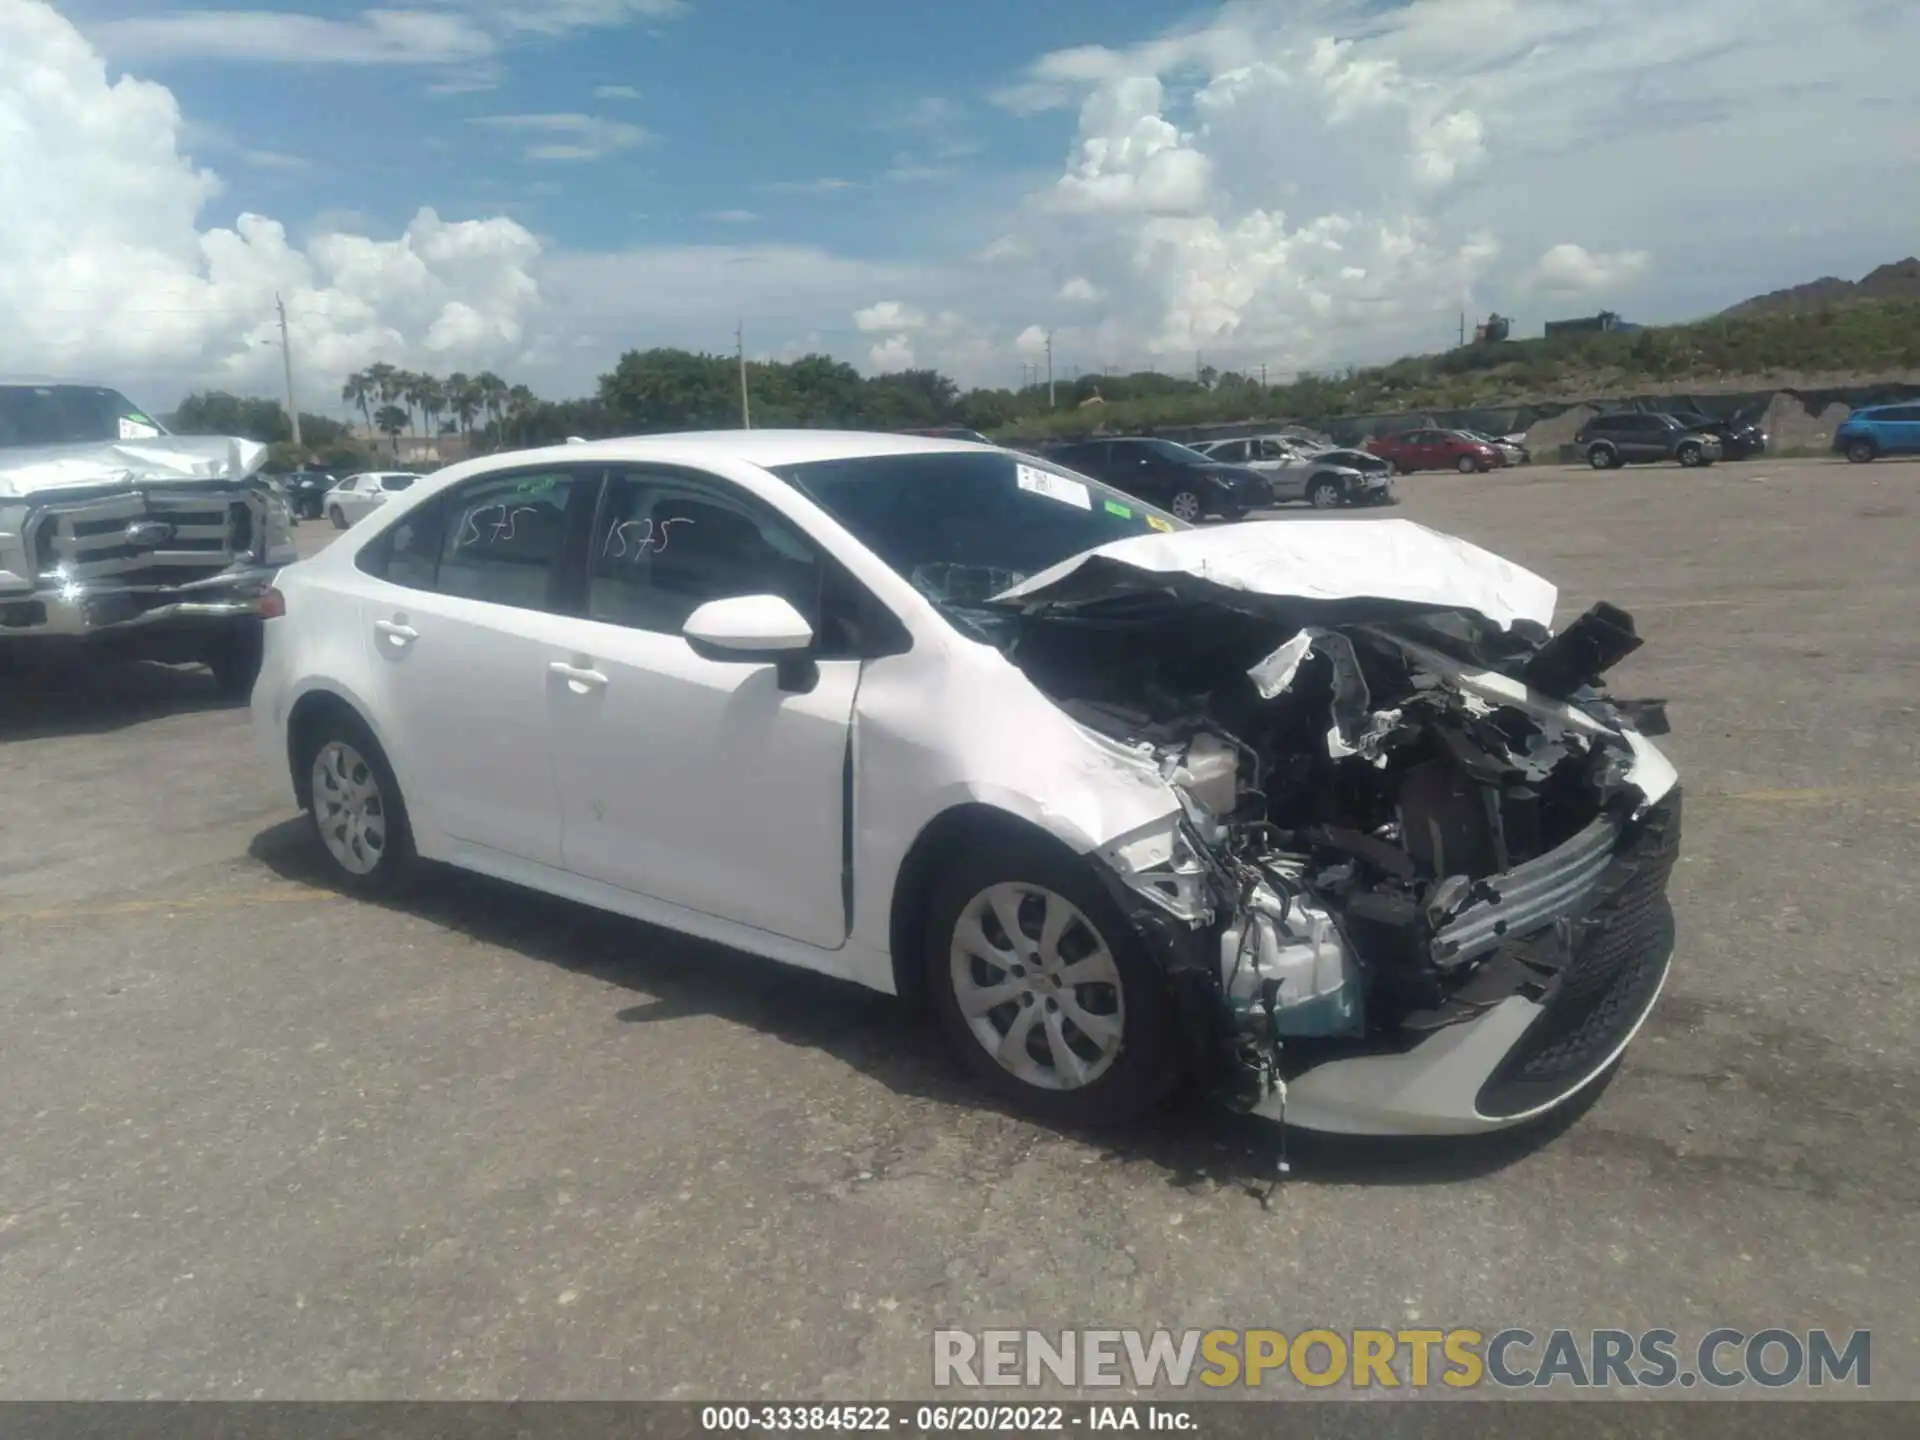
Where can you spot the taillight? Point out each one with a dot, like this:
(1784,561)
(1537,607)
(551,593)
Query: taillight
(272,604)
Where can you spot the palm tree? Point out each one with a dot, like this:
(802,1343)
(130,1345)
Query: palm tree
(433,401)
(384,380)
(493,396)
(463,398)
(359,391)
(390,420)
(413,394)
(521,404)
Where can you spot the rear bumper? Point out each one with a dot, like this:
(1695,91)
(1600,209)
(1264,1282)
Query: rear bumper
(1557,1005)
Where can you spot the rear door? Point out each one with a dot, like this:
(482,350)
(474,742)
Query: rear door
(462,634)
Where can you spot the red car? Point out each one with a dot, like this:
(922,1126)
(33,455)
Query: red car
(1436,450)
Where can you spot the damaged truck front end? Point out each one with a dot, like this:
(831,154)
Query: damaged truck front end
(1416,881)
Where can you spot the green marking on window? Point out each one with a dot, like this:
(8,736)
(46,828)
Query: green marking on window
(1114,507)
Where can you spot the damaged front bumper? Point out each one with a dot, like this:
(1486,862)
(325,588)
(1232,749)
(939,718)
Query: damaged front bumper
(1584,955)
(76,612)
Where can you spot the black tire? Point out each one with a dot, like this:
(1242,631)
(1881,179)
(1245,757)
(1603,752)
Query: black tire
(1862,452)
(1145,1065)
(1603,457)
(398,863)
(1690,455)
(1467,465)
(339,520)
(1187,505)
(234,659)
(1326,493)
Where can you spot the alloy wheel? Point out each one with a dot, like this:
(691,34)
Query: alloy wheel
(1037,986)
(348,808)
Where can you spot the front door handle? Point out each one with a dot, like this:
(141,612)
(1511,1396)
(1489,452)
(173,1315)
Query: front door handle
(579,678)
(396,632)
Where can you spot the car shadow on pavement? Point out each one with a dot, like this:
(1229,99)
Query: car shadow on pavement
(95,696)
(1194,1144)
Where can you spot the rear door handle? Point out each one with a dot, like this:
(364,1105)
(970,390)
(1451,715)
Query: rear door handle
(579,679)
(396,632)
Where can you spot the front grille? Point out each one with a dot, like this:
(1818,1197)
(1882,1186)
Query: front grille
(117,539)
(1620,949)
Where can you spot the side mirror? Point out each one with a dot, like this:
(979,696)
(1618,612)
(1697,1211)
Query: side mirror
(755,630)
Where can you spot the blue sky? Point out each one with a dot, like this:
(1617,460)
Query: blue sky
(536,185)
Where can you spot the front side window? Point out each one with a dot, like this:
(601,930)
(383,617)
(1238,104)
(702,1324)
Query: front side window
(1233,452)
(665,544)
(500,538)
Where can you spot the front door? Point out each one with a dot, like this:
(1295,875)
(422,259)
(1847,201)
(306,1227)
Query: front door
(461,628)
(716,786)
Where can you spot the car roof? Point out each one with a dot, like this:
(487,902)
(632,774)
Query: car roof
(765,448)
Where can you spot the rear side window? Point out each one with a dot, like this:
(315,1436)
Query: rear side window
(501,538)
(396,482)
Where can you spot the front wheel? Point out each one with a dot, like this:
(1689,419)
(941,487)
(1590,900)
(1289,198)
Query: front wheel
(1186,506)
(1691,456)
(1042,988)
(1603,457)
(1468,465)
(1325,494)
(1861,451)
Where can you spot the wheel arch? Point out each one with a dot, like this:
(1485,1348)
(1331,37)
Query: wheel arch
(970,822)
(308,711)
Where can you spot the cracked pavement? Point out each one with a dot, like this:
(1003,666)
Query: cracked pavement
(262,1141)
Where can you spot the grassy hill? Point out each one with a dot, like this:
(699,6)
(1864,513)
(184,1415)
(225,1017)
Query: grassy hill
(1789,345)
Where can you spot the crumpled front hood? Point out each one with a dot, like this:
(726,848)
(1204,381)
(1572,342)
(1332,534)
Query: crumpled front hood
(1384,566)
(172,459)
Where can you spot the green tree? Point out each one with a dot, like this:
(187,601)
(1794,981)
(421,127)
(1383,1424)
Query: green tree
(390,420)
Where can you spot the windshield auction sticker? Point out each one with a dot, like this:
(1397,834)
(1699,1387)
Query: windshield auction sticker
(1054,487)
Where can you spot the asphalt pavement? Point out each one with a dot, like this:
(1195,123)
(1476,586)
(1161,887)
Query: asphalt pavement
(264,1141)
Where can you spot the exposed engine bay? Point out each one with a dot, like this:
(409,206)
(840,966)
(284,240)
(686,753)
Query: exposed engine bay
(1377,811)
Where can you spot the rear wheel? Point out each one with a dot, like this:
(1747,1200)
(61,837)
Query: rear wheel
(1186,505)
(1862,451)
(1046,993)
(1325,493)
(358,815)
(339,520)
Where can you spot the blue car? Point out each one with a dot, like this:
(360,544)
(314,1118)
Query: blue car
(1877,430)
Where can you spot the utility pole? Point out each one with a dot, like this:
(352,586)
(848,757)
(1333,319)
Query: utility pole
(740,349)
(1463,327)
(1050,369)
(1263,376)
(286,357)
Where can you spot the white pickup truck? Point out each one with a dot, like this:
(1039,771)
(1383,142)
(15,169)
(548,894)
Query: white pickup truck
(116,536)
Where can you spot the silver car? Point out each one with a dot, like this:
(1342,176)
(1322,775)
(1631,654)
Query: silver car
(1324,479)
(358,496)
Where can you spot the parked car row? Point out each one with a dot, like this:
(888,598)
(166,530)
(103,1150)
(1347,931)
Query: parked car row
(1229,478)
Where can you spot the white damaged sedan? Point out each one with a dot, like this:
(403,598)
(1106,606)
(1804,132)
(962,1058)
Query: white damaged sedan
(1319,815)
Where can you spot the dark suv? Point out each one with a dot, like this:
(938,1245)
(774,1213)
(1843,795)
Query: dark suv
(1638,438)
(1168,475)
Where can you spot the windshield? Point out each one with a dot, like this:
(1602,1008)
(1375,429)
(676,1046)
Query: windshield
(70,415)
(962,527)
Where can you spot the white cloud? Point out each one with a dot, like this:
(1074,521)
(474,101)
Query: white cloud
(105,271)
(433,32)
(1080,291)
(889,315)
(374,37)
(1573,270)
(615,92)
(827,185)
(566,136)
(733,217)
(893,353)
